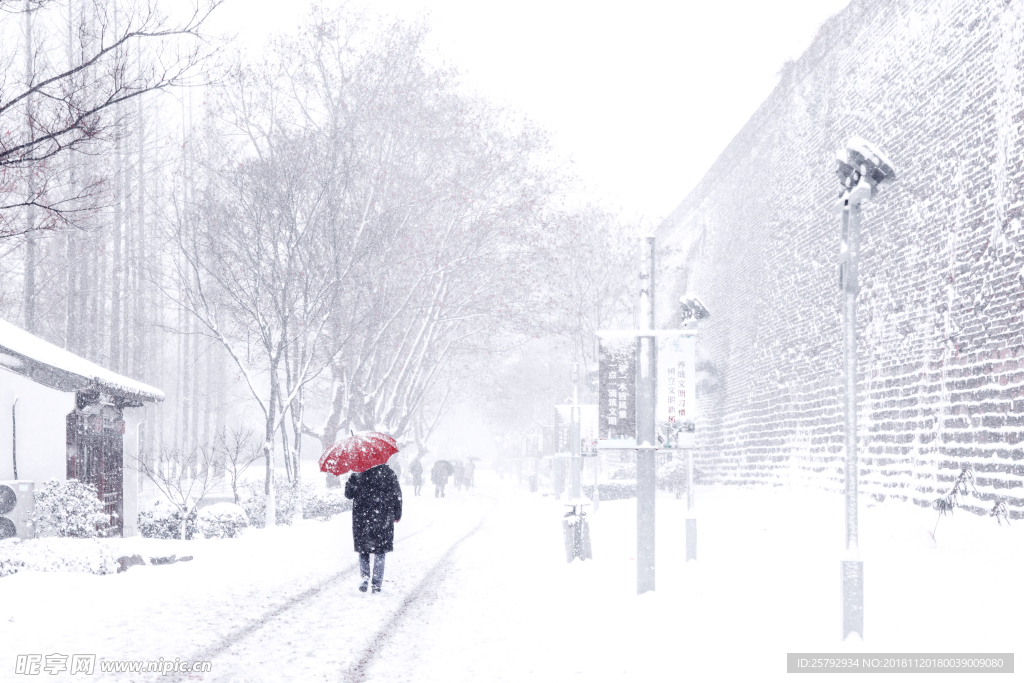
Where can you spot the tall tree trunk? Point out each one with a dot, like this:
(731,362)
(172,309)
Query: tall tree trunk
(195,362)
(185,398)
(101,298)
(29,281)
(116,265)
(268,445)
(179,381)
(71,300)
(222,381)
(209,391)
(140,358)
(72,296)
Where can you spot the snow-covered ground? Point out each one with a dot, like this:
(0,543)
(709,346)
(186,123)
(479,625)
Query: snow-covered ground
(478,589)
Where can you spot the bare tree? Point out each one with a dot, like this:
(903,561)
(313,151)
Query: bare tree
(255,274)
(452,195)
(74,106)
(238,451)
(184,477)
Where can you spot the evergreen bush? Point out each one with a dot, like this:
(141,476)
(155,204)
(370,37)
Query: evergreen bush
(222,520)
(69,509)
(160,519)
(324,504)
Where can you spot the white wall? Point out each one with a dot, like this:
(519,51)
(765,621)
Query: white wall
(133,417)
(41,413)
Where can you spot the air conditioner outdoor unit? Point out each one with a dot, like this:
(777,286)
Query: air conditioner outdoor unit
(17,501)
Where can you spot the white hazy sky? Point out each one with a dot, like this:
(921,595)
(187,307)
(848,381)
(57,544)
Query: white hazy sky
(642,96)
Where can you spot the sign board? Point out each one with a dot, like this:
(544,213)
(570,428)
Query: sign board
(588,427)
(677,399)
(616,426)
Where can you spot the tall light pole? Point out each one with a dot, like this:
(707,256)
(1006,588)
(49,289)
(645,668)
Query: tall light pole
(691,312)
(646,408)
(862,171)
(575,450)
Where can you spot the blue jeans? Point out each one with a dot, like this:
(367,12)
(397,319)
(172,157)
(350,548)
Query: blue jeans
(378,568)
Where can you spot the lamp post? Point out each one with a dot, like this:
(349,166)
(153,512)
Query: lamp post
(575,450)
(691,311)
(863,170)
(646,437)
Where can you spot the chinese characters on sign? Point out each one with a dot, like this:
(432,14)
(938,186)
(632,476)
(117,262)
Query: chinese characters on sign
(617,391)
(676,390)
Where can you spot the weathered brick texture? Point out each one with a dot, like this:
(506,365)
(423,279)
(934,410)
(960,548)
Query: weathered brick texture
(938,85)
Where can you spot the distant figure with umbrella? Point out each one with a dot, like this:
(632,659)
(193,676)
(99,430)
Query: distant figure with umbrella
(376,497)
(460,471)
(439,474)
(416,469)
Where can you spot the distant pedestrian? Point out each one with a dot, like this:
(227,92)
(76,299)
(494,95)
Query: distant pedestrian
(416,468)
(470,472)
(460,472)
(439,474)
(376,506)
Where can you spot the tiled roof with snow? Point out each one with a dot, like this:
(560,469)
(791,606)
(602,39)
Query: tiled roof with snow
(29,355)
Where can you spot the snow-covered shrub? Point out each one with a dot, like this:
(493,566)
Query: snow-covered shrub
(222,520)
(672,476)
(623,470)
(57,555)
(69,509)
(325,503)
(286,501)
(614,490)
(161,519)
(10,563)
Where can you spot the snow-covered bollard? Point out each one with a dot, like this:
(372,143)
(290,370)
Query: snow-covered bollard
(576,533)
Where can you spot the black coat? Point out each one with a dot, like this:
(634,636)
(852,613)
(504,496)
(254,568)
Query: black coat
(376,504)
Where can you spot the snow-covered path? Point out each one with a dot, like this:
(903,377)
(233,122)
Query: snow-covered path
(478,590)
(333,630)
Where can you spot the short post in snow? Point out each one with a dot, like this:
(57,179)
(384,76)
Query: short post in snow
(862,171)
(691,520)
(646,408)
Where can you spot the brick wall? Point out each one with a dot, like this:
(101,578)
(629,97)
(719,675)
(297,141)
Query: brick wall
(939,86)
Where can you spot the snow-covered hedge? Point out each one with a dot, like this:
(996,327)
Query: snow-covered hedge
(161,519)
(286,501)
(624,470)
(222,520)
(615,490)
(87,556)
(69,509)
(672,476)
(325,503)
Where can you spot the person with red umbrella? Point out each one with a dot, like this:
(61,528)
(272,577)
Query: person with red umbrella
(376,497)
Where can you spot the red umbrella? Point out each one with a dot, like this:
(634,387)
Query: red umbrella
(358,453)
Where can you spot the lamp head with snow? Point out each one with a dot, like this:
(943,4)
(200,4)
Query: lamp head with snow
(863,170)
(690,308)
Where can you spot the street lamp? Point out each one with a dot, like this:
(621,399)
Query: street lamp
(862,170)
(691,311)
(575,451)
